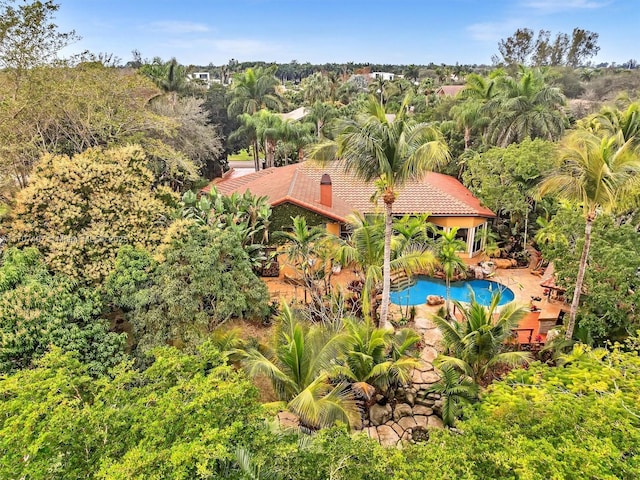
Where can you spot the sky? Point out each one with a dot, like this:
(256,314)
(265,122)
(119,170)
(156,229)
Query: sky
(200,32)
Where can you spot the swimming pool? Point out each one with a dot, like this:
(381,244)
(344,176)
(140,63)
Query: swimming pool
(417,294)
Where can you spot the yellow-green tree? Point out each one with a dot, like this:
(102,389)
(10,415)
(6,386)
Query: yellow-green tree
(79,210)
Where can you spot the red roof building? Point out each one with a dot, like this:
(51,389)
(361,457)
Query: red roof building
(329,191)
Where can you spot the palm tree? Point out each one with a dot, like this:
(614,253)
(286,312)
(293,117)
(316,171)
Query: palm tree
(389,152)
(297,365)
(596,173)
(252,91)
(474,344)
(377,360)
(611,121)
(456,389)
(364,250)
(447,248)
(269,129)
(300,247)
(469,115)
(249,129)
(316,88)
(525,107)
(321,113)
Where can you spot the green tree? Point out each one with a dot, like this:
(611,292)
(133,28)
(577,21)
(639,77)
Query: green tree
(184,417)
(525,107)
(377,360)
(544,422)
(365,250)
(447,248)
(316,88)
(457,390)
(506,179)
(297,364)
(39,310)
(475,344)
(203,280)
(609,311)
(29,37)
(300,246)
(596,173)
(373,148)
(79,210)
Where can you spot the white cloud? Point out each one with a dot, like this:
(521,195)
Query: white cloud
(551,6)
(171,26)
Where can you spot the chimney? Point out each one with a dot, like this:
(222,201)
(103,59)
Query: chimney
(325,190)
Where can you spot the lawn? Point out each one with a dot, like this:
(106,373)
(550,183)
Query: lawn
(242,156)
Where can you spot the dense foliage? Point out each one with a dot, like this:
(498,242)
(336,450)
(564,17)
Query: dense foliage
(79,210)
(39,310)
(203,279)
(609,306)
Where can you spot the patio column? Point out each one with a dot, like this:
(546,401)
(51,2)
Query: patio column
(470,240)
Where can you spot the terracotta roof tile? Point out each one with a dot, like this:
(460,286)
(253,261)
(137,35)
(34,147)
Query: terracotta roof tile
(436,194)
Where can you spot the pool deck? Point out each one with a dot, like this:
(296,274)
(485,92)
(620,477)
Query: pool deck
(521,281)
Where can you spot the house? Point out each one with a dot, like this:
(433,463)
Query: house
(326,195)
(386,76)
(203,77)
(449,90)
(295,115)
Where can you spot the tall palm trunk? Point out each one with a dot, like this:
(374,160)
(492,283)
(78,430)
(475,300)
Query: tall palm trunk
(447,283)
(386,266)
(467,137)
(580,280)
(256,158)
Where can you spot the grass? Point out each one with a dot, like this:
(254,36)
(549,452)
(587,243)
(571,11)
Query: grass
(243,156)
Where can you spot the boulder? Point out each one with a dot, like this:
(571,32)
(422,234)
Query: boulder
(410,397)
(430,377)
(435,300)
(372,432)
(402,410)
(387,436)
(435,422)
(422,410)
(428,354)
(407,422)
(421,420)
(380,414)
(505,262)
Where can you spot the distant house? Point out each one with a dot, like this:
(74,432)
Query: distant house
(297,114)
(327,196)
(449,90)
(204,77)
(384,76)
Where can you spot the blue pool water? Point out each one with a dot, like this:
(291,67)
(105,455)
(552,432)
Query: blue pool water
(484,289)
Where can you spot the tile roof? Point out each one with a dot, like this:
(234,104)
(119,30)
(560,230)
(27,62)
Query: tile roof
(450,90)
(436,194)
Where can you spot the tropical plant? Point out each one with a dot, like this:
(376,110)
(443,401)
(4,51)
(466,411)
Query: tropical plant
(596,173)
(321,114)
(79,210)
(364,250)
(253,90)
(316,88)
(389,152)
(456,389)
(525,106)
(300,246)
(447,248)
(474,345)
(377,360)
(297,364)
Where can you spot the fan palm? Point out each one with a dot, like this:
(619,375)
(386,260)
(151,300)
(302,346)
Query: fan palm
(297,365)
(474,345)
(596,173)
(389,152)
